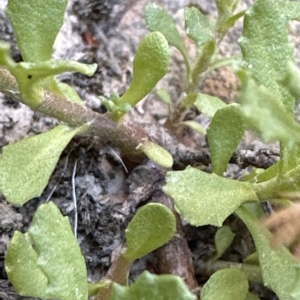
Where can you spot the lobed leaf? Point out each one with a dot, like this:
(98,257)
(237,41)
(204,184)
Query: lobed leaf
(226,284)
(27,165)
(36,24)
(277,265)
(55,266)
(203,198)
(224,134)
(151,227)
(149,287)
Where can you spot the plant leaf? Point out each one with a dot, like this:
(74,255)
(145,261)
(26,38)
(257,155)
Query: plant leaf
(265,114)
(150,287)
(203,60)
(197,26)
(55,256)
(251,296)
(277,265)
(208,104)
(226,284)
(164,96)
(203,198)
(223,239)
(21,267)
(224,134)
(27,165)
(156,153)
(36,24)
(295,294)
(266,49)
(158,19)
(195,126)
(150,64)
(151,227)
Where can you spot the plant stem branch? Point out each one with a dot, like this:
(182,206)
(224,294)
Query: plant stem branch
(207,268)
(124,135)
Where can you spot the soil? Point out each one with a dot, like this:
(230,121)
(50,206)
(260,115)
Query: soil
(110,188)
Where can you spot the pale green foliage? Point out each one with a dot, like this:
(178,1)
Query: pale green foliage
(265,114)
(195,126)
(266,49)
(197,26)
(150,64)
(164,95)
(157,19)
(150,287)
(277,265)
(152,226)
(226,284)
(203,198)
(36,24)
(295,294)
(223,239)
(54,266)
(21,267)
(158,154)
(224,134)
(27,165)
(251,296)
(208,104)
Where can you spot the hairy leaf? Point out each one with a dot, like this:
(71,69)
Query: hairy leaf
(208,104)
(226,18)
(223,239)
(266,49)
(203,60)
(22,269)
(226,284)
(26,166)
(54,256)
(295,294)
(197,26)
(151,227)
(277,265)
(224,134)
(36,24)
(150,64)
(150,287)
(265,114)
(156,153)
(203,198)
(158,19)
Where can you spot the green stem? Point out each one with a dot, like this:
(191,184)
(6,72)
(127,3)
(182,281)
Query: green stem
(206,269)
(124,135)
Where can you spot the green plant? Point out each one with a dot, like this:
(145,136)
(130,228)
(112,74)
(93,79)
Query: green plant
(269,86)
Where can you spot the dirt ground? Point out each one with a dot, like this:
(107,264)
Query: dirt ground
(109,188)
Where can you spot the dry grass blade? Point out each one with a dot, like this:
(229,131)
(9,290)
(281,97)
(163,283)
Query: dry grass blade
(285,226)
